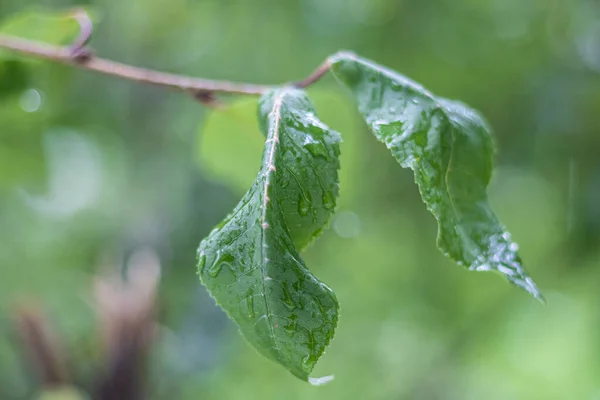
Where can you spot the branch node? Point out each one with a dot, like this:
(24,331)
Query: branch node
(82,55)
(207,98)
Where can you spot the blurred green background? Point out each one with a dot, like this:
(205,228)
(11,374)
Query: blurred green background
(93,169)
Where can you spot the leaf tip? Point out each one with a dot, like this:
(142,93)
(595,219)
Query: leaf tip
(527,284)
(320,381)
(536,293)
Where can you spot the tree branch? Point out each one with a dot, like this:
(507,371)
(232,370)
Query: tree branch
(65,55)
(79,56)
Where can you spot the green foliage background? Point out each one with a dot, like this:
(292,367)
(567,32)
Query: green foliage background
(92,166)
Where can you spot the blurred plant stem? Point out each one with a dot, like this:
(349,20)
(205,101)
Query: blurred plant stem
(126,327)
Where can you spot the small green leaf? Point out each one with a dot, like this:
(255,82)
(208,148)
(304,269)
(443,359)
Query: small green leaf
(450,149)
(50,27)
(250,263)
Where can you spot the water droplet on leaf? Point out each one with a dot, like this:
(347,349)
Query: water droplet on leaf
(303,205)
(328,200)
(287,299)
(220,262)
(201,262)
(250,303)
(290,329)
(308,363)
(317,150)
(320,381)
(215,269)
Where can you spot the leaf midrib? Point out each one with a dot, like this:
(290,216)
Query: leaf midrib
(273,140)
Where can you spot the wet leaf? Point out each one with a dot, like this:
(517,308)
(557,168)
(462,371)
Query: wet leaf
(450,149)
(250,263)
(230,142)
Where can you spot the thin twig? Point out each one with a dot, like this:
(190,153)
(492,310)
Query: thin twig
(315,76)
(79,56)
(86,27)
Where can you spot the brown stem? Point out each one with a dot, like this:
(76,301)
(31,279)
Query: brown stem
(79,56)
(41,346)
(315,76)
(86,27)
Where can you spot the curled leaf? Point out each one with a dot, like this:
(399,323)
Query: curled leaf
(449,147)
(250,263)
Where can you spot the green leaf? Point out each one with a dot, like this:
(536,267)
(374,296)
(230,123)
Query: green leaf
(450,149)
(49,27)
(250,263)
